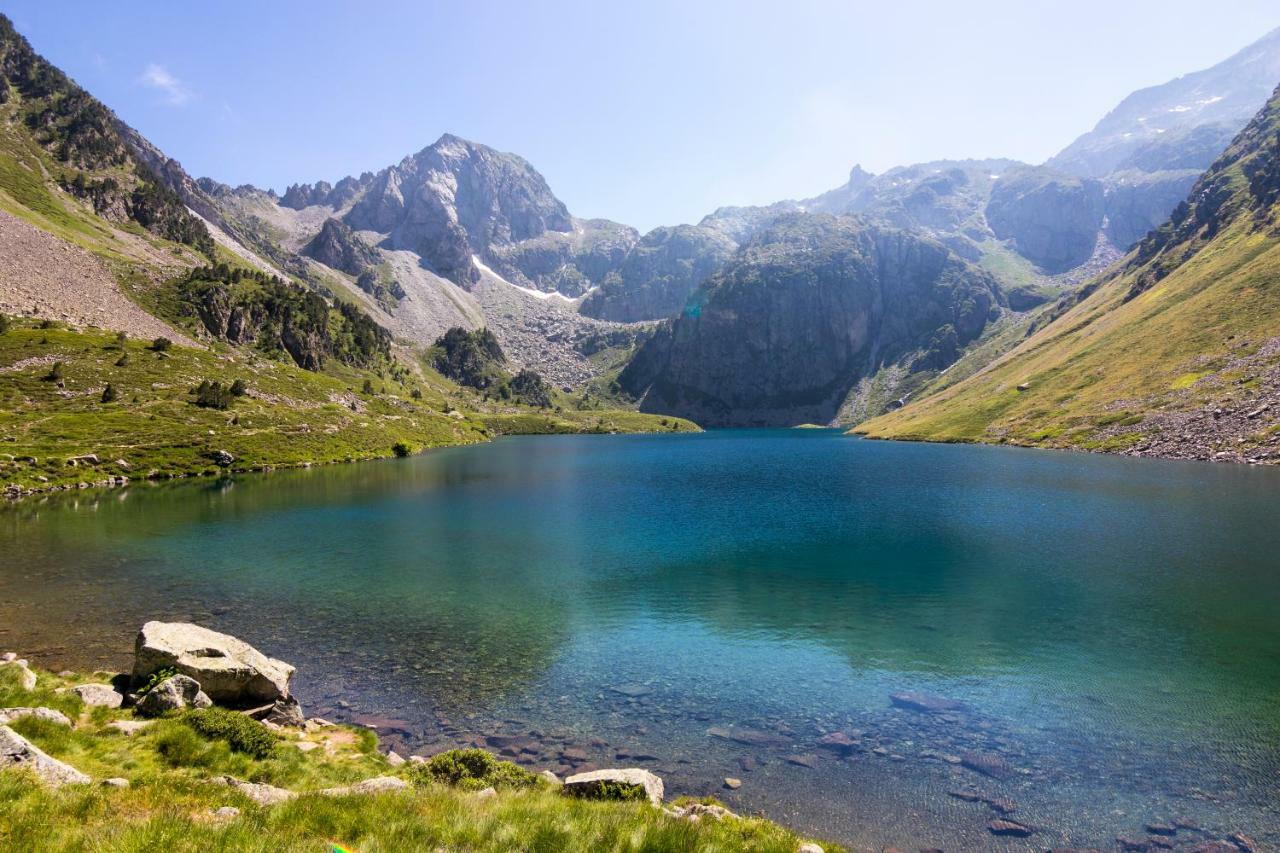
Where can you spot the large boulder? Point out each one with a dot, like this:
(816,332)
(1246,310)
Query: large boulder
(229,670)
(98,695)
(173,694)
(601,784)
(17,752)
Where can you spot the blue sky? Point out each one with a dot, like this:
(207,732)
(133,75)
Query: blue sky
(647,113)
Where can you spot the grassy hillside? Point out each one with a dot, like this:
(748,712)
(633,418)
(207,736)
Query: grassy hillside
(1175,352)
(171,798)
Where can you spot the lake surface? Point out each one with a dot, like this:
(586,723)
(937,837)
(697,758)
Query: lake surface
(719,605)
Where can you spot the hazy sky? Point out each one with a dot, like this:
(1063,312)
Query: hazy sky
(648,113)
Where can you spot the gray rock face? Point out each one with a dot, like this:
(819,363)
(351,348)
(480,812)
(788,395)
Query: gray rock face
(1139,202)
(17,752)
(173,694)
(589,785)
(229,670)
(1227,94)
(804,311)
(1053,219)
(337,246)
(569,263)
(455,199)
(659,274)
(8,715)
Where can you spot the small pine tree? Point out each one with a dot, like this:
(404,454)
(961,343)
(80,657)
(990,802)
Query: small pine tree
(368,387)
(161,344)
(122,338)
(55,372)
(4,324)
(239,388)
(109,394)
(123,360)
(416,393)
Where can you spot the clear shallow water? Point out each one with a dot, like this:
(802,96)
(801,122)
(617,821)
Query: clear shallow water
(714,605)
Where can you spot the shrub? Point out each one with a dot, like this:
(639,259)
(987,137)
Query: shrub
(182,747)
(473,769)
(109,394)
(367,388)
(416,393)
(123,360)
(401,449)
(122,338)
(239,388)
(604,790)
(4,324)
(161,344)
(213,395)
(241,733)
(156,677)
(55,373)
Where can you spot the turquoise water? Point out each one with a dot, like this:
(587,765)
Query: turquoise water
(714,605)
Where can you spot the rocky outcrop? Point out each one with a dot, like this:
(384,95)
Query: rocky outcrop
(337,246)
(260,793)
(16,752)
(803,312)
(660,273)
(1053,219)
(173,694)
(1138,202)
(604,783)
(229,670)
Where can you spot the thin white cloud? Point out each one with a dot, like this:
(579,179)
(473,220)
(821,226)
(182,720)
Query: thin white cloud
(173,90)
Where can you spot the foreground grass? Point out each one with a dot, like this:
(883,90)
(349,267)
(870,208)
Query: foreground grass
(171,799)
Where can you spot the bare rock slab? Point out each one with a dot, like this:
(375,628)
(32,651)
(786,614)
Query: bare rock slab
(17,752)
(591,785)
(229,670)
(8,715)
(263,795)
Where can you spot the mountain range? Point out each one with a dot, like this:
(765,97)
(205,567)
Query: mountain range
(897,291)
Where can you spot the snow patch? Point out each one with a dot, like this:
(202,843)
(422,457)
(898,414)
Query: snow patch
(536,294)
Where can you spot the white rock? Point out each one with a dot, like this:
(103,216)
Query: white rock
(17,752)
(487,793)
(263,795)
(26,678)
(394,758)
(376,785)
(129,727)
(226,813)
(116,782)
(810,847)
(9,657)
(587,784)
(307,745)
(8,715)
(229,670)
(551,777)
(98,695)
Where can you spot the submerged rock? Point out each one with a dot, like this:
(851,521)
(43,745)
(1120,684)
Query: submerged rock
(988,764)
(591,785)
(17,752)
(1010,827)
(229,670)
(925,703)
(173,694)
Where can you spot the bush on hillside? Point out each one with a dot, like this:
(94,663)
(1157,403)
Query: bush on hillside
(474,769)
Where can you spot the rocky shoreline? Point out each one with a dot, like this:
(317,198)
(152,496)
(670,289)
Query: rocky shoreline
(183,667)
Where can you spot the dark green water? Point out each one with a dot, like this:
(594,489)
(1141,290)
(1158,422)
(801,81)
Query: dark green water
(1111,625)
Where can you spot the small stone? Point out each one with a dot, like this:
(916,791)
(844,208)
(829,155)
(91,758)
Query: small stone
(810,847)
(226,813)
(116,782)
(307,745)
(129,727)
(263,795)
(8,715)
(395,759)
(988,764)
(487,794)
(98,695)
(804,760)
(551,778)
(732,784)
(376,785)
